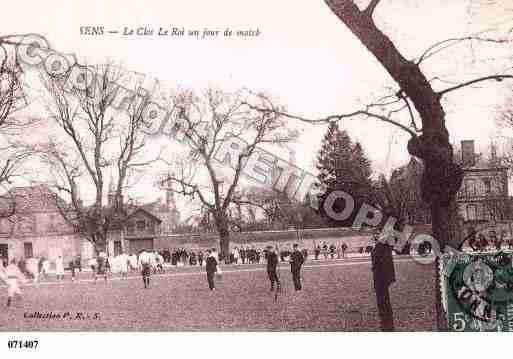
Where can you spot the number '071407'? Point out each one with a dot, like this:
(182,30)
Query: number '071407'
(22,344)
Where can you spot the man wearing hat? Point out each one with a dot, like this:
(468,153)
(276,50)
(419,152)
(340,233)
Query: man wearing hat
(296,261)
(211,268)
(272,262)
(145,258)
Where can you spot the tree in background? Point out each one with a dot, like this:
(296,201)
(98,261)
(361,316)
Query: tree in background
(343,165)
(96,143)
(278,210)
(215,124)
(420,95)
(399,196)
(13,123)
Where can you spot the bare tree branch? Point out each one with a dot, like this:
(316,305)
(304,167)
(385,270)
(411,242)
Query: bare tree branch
(497,78)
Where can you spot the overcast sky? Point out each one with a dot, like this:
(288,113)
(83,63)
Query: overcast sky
(304,56)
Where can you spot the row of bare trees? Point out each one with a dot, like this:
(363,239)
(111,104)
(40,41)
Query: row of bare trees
(99,146)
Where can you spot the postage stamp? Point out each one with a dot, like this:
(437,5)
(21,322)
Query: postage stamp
(477,291)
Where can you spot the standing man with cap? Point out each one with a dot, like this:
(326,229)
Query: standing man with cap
(145,260)
(211,268)
(272,262)
(384,275)
(101,269)
(296,261)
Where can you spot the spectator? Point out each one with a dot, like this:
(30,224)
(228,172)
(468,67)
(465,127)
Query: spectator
(497,242)
(78,263)
(332,251)
(483,243)
(317,252)
(243,255)
(200,258)
(236,255)
(132,262)
(72,264)
(325,250)
(344,249)
(304,252)
(59,267)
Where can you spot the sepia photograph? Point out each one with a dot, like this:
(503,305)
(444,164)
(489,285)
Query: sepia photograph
(281,167)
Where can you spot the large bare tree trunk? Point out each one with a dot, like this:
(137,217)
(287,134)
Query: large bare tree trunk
(442,177)
(224,235)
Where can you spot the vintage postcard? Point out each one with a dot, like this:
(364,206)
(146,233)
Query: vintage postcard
(255,166)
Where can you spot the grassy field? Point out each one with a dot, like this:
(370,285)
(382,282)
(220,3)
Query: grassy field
(337,296)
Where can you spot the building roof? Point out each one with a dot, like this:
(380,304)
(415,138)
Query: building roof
(39,198)
(148,213)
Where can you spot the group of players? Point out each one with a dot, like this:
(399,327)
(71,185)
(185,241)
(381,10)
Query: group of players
(148,263)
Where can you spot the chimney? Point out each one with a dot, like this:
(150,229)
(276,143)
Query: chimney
(468,154)
(494,161)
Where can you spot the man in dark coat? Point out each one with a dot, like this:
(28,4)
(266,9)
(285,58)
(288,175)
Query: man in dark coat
(211,268)
(296,261)
(384,275)
(101,269)
(272,262)
(242,255)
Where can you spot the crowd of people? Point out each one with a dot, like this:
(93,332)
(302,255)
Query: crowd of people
(103,264)
(147,262)
(330,250)
(480,242)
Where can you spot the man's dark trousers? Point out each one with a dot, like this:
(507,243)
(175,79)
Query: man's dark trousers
(296,277)
(210,279)
(384,275)
(273,277)
(386,316)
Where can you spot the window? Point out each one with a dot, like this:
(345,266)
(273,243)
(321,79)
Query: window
(27,250)
(487,185)
(51,223)
(4,226)
(471,212)
(141,225)
(130,227)
(471,187)
(151,227)
(117,248)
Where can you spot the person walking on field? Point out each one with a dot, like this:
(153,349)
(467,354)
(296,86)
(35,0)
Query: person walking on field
(211,268)
(71,265)
(296,261)
(145,261)
(101,269)
(200,258)
(123,261)
(12,276)
(272,263)
(343,247)
(59,268)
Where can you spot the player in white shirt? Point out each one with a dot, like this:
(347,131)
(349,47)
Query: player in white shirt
(13,278)
(145,262)
(133,262)
(32,265)
(59,268)
(122,261)
(46,268)
(93,263)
